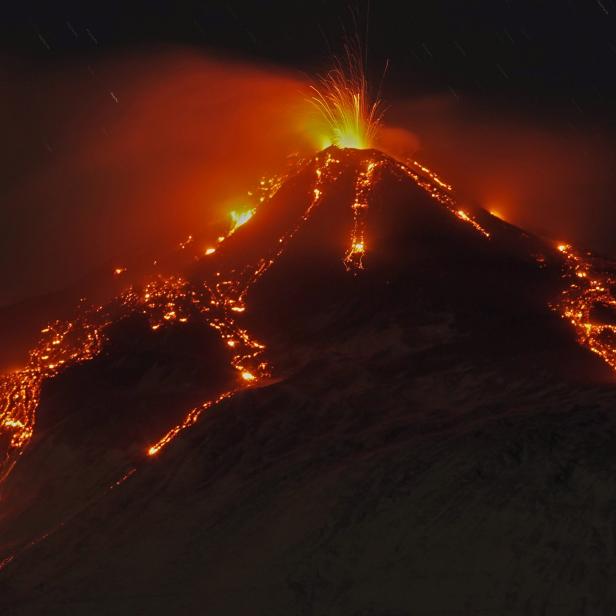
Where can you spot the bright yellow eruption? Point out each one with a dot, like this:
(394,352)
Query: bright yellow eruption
(239,218)
(342,97)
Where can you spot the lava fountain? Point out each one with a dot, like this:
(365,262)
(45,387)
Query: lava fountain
(343,99)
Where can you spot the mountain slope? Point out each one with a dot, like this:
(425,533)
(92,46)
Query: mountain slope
(433,438)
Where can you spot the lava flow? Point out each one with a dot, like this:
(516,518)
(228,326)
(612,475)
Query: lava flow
(163,301)
(588,302)
(352,120)
(62,344)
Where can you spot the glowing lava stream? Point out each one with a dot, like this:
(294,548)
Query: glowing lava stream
(589,290)
(353,259)
(440,191)
(230,294)
(164,301)
(7,560)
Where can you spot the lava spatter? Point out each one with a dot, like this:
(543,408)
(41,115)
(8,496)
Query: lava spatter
(438,190)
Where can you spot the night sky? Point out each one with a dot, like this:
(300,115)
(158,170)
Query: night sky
(556,53)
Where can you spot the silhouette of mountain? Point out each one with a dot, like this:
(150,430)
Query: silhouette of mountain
(428,436)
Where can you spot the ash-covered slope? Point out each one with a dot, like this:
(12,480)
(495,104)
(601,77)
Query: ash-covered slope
(433,440)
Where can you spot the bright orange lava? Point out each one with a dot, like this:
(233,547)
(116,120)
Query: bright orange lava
(590,288)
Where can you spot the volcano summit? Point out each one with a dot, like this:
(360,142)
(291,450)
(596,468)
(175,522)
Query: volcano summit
(369,398)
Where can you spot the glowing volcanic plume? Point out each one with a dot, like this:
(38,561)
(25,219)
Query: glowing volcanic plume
(342,97)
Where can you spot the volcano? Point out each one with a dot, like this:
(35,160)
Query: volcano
(370,398)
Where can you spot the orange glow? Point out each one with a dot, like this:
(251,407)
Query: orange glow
(227,296)
(186,242)
(119,270)
(262,119)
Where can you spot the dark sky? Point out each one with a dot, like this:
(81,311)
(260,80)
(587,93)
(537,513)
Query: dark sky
(559,52)
(512,101)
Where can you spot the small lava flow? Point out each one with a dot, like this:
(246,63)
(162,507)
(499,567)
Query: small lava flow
(62,344)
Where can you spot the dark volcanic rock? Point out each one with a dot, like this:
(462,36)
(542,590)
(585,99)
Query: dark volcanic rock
(436,443)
